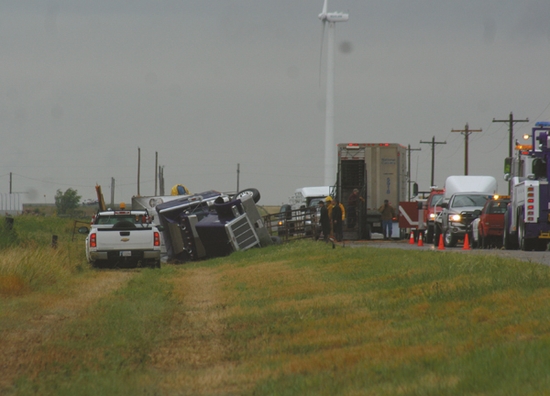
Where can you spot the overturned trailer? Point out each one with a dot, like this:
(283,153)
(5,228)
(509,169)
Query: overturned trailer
(211,224)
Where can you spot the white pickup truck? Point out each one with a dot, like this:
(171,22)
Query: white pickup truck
(121,238)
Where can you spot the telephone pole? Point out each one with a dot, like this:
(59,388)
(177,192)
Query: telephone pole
(409,149)
(466,131)
(510,122)
(433,143)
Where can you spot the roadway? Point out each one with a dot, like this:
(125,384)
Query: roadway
(537,257)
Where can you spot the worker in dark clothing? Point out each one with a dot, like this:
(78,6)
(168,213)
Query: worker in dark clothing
(337,220)
(388,213)
(353,202)
(324,222)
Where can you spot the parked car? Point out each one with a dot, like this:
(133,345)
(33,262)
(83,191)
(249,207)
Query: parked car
(488,228)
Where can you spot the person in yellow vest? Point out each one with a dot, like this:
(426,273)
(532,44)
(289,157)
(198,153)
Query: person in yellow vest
(330,206)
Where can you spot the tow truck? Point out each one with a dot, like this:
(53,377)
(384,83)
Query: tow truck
(527,218)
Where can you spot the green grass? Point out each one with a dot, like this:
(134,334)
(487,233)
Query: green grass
(387,321)
(27,260)
(305,319)
(108,349)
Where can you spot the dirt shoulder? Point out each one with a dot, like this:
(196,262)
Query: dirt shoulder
(194,355)
(18,344)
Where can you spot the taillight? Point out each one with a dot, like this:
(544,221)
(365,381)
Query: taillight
(156,241)
(93,240)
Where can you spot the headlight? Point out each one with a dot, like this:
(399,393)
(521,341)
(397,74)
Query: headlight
(455,217)
(432,216)
(280,223)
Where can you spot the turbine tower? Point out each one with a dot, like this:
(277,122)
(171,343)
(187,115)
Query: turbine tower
(330,147)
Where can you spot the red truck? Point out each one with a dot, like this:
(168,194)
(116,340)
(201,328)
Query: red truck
(488,228)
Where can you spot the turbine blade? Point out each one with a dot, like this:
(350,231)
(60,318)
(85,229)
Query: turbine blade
(325,8)
(321,55)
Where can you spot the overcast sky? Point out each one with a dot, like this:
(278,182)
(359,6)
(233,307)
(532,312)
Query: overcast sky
(212,84)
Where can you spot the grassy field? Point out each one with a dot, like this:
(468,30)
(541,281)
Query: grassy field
(295,319)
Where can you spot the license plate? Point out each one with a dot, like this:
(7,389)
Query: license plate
(126,253)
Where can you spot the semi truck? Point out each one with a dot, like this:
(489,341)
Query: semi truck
(527,218)
(379,172)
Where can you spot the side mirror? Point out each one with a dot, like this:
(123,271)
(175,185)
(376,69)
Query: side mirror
(444,205)
(507,177)
(83,230)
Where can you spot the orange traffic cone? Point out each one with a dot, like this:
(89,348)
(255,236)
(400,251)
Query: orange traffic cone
(411,239)
(420,242)
(466,243)
(441,244)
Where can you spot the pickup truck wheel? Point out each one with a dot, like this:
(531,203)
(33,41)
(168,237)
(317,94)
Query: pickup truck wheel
(449,239)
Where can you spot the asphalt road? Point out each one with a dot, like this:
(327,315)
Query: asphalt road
(537,257)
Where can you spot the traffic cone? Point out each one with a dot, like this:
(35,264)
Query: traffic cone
(411,240)
(466,243)
(441,244)
(420,242)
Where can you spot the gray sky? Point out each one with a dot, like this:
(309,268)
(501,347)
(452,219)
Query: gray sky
(210,84)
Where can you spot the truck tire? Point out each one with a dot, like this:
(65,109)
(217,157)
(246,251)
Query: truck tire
(249,192)
(449,239)
(437,235)
(430,234)
(508,241)
(523,243)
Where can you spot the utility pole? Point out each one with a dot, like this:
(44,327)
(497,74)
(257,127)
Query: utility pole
(138,170)
(466,131)
(409,149)
(238,176)
(112,192)
(156,167)
(10,182)
(510,122)
(433,143)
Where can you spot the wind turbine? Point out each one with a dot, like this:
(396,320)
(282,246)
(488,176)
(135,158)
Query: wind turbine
(330,152)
